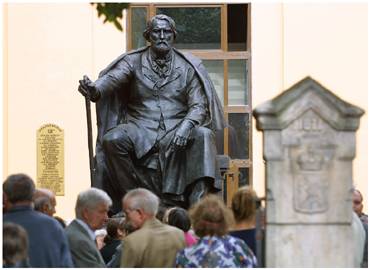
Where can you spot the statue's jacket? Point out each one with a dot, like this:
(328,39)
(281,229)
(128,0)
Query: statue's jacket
(132,94)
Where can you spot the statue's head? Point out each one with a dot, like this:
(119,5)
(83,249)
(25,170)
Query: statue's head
(161,33)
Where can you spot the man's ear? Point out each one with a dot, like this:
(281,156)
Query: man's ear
(141,213)
(85,214)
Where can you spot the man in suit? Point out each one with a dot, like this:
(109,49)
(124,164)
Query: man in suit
(48,245)
(91,214)
(153,244)
(157,109)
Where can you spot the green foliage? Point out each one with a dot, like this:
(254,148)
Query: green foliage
(111,12)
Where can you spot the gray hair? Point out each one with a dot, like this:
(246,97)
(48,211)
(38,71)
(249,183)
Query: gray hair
(19,187)
(143,199)
(41,197)
(90,199)
(40,202)
(150,23)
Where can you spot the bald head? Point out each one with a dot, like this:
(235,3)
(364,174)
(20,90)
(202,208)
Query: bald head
(44,201)
(357,202)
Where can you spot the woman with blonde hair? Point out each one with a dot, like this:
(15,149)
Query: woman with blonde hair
(244,209)
(215,248)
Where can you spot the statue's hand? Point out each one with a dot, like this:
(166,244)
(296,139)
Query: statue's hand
(87,89)
(182,135)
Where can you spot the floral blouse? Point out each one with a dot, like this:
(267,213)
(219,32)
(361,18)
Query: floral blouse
(225,251)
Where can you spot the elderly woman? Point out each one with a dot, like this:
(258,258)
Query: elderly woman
(215,248)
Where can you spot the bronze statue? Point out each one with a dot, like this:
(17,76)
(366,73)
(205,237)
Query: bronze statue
(157,111)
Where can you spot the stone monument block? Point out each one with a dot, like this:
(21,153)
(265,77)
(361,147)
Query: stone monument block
(309,144)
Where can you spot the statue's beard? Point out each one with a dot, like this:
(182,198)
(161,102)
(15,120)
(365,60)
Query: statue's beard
(161,47)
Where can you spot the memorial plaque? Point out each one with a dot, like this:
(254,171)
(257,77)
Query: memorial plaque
(309,144)
(50,158)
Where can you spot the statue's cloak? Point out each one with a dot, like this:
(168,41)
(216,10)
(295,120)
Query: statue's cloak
(110,112)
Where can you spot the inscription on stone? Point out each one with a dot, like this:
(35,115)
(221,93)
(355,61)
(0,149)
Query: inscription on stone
(309,123)
(50,158)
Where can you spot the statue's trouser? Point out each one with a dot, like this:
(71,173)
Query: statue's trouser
(179,168)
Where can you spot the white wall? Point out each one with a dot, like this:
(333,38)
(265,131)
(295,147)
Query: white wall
(327,41)
(48,47)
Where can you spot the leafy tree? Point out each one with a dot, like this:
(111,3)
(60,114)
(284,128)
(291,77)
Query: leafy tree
(111,12)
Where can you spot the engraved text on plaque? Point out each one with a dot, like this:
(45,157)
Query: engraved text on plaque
(50,158)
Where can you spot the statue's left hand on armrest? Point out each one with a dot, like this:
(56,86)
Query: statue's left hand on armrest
(182,135)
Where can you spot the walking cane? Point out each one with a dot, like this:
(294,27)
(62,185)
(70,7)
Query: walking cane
(90,139)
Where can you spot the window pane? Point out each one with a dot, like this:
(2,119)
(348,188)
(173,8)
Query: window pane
(138,23)
(237,27)
(197,28)
(243,176)
(238,135)
(237,80)
(215,69)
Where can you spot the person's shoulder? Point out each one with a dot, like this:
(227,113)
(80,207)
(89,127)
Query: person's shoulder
(134,54)
(136,235)
(46,220)
(137,51)
(175,233)
(173,229)
(364,218)
(73,227)
(243,233)
(234,240)
(189,57)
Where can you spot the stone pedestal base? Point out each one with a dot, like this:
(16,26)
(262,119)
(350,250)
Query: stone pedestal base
(310,246)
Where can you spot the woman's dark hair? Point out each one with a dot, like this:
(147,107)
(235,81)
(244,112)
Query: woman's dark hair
(112,227)
(179,218)
(160,213)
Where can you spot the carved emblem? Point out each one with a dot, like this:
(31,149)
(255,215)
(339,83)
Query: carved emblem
(311,144)
(311,193)
(311,185)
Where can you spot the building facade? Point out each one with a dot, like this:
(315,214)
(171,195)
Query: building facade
(253,52)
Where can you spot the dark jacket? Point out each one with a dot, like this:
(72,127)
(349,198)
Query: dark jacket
(128,95)
(109,249)
(109,108)
(48,245)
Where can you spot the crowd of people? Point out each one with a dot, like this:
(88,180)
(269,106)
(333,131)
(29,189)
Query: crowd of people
(144,234)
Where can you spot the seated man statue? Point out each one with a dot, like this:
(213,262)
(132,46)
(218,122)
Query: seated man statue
(157,111)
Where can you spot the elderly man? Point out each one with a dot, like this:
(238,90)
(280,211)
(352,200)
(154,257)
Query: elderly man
(357,208)
(358,205)
(91,214)
(48,245)
(44,201)
(156,110)
(153,244)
